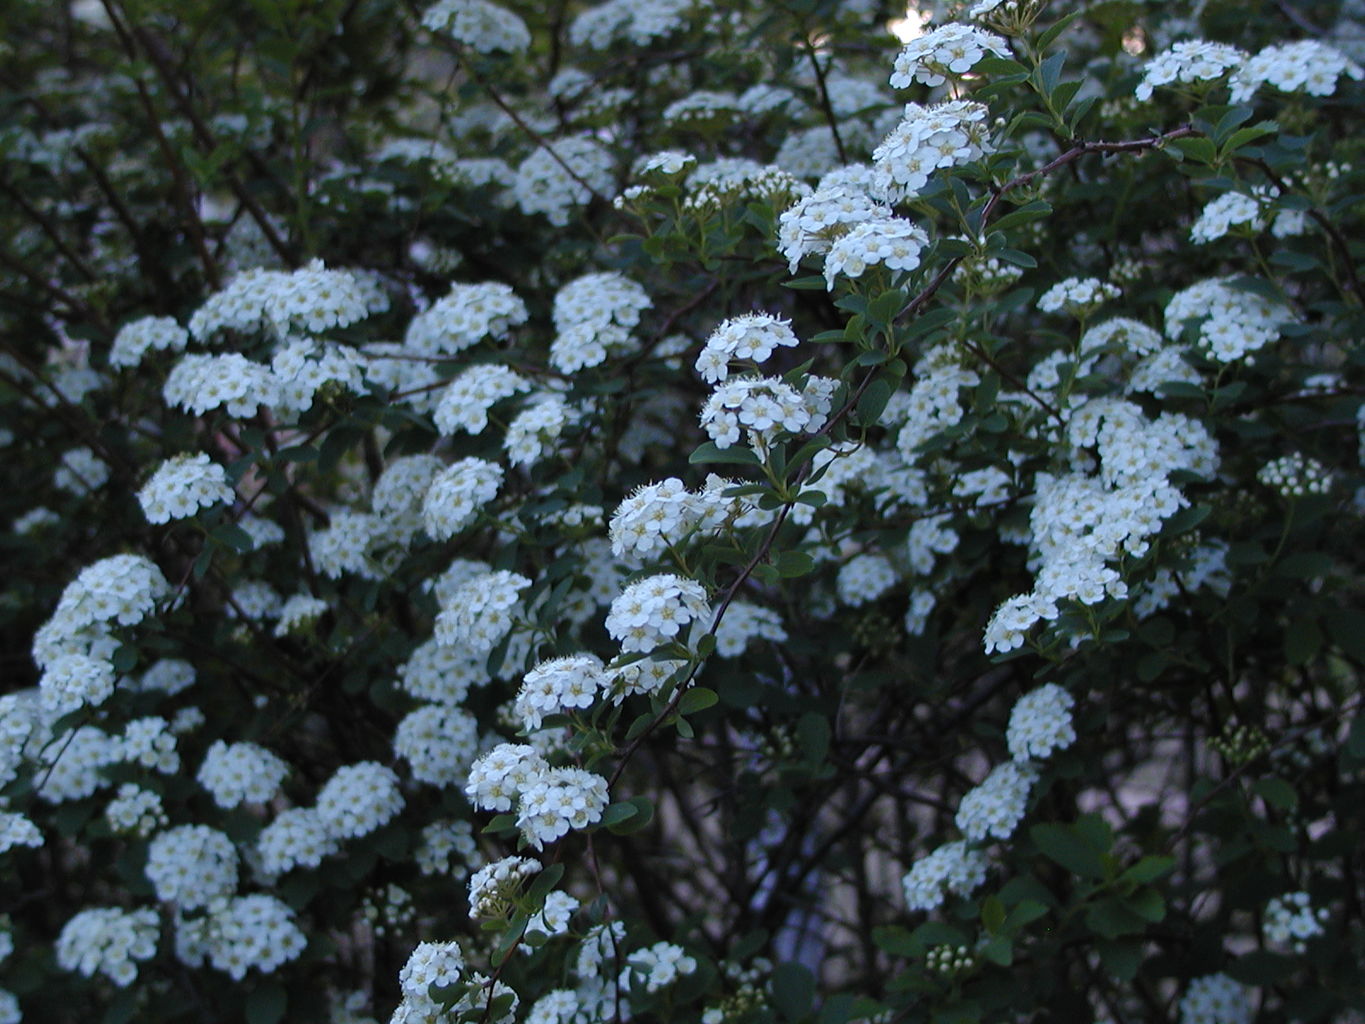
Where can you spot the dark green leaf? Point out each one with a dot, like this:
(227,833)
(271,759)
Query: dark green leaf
(699,698)
(267,1002)
(793,990)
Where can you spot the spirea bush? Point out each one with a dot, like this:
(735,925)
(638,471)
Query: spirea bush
(797,512)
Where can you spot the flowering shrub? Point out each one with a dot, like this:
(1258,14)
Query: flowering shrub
(756,513)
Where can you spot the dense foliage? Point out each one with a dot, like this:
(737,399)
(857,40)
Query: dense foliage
(754,513)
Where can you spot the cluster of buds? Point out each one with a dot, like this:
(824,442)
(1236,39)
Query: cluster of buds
(950,961)
(1241,745)
(1296,476)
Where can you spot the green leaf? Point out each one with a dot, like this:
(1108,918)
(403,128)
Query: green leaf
(812,737)
(790,564)
(267,1002)
(1276,792)
(992,914)
(873,402)
(124,659)
(813,283)
(617,813)
(1062,24)
(1025,214)
(500,823)
(737,455)
(999,950)
(895,940)
(1019,259)
(1148,869)
(644,814)
(1305,565)
(1024,913)
(1111,919)
(1199,150)
(545,881)
(793,990)
(1121,958)
(1061,844)
(232,536)
(699,698)
(1243,136)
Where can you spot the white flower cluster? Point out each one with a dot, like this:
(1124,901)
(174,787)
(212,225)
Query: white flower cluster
(236,773)
(751,338)
(16,830)
(762,407)
(299,611)
(1122,334)
(549,801)
(239,306)
(305,365)
(558,800)
(346,543)
(151,333)
(108,940)
(702,108)
(447,847)
(1228,211)
(927,139)
(1302,66)
(135,811)
(298,837)
(811,225)
(358,799)
(466,315)
(182,485)
(442,964)
(544,184)
(892,242)
(314,299)
(638,22)
(1216,999)
(1296,476)
(745,622)
(532,433)
(495,885)
(660,965)
(439,742)
(478,24)
(192,865)
(71,767)
(948,51)
(1290,920)
(73,681)
(934,403)
(256,931)
(594,316)
(465,402)
(149,742)
(1077,296)
(655,610)
(121,589)
(457,494)
(1040,723)
(1232,321)
(997,805)
(656,516)
(557,685)
(199,383)
(953,868)
(864,578)
(398,493)
(481,611)
(443,675)
(1188,63)
(80,471)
